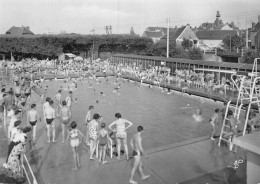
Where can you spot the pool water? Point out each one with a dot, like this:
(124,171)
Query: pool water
(166,119)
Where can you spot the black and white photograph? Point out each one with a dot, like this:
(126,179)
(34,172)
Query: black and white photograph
(130,91)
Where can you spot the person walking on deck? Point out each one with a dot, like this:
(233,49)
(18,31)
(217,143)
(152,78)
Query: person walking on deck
(138,151)
(49,114)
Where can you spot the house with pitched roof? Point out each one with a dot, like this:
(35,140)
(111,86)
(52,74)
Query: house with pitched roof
(212,39)
(254,31)
(18,31)
(155,33)
(179,34)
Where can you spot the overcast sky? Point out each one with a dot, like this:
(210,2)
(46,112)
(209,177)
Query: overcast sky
(80,16)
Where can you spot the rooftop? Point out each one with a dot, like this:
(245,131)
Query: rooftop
(19,31)
(215,34)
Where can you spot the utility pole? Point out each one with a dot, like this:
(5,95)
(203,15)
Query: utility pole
(229,43)
(168,25)
(93,32)
(117,16)
(246,36)
(108,29)
(246,28)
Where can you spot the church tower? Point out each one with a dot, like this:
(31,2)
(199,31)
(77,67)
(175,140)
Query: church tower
(218,24)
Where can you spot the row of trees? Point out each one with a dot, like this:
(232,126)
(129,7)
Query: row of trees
(187,50)
(52,46)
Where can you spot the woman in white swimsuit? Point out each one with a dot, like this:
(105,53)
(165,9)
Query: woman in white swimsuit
(121,133)
(74,142)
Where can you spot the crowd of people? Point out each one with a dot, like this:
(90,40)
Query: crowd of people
(17,106)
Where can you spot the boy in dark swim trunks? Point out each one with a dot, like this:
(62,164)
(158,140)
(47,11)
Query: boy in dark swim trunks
(136,143)
(49,114)
(32,117)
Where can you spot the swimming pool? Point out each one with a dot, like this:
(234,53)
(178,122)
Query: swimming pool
(166,118)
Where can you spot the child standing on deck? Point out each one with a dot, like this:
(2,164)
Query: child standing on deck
(74,142)
(103,141)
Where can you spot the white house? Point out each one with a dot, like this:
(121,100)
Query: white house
(211,39)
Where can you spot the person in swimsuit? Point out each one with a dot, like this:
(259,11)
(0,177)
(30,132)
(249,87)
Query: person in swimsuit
(103,141)
(22,103)
(27,92)
(49,114)
(253,121)
(74,142)
(214,123)
(138,151)
(233,123)
(69,100)
(44,106)
(17,89)
(32,117)
(87,120)
(9,101)
(57,98)
(121,134)
(93,130)
(65,116)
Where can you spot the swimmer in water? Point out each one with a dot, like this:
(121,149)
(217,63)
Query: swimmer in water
(102,94)
(197,117)
(169,91)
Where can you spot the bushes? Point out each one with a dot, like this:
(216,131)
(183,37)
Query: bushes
(195,54)
(250,55)
(42,46)
(52,46)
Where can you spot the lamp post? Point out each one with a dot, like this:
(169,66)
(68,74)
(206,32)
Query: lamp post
(230,43)
(168,24)
(93,32)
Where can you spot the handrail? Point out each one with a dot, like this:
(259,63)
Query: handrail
(34,179)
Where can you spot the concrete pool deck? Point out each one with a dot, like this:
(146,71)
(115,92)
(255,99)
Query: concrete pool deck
(194,161)
(178,163)
(197,160)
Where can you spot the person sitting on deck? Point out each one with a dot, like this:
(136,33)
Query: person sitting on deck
(233,125)
(254,121)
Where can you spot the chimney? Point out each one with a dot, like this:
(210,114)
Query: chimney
(253,25)
(232,24)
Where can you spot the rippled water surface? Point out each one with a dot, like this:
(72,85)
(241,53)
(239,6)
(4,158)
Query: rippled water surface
(166,118)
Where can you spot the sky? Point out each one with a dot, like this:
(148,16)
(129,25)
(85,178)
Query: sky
(81,16)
